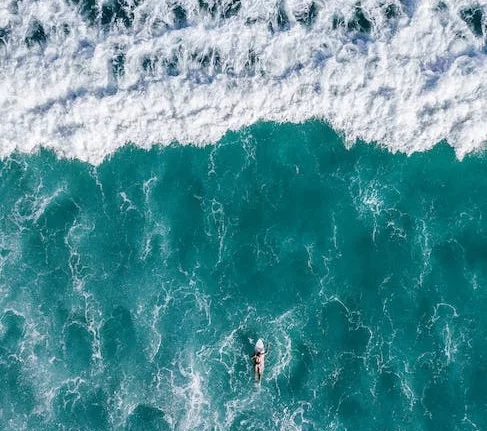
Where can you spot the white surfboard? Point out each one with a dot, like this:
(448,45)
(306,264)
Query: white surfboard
(259,346)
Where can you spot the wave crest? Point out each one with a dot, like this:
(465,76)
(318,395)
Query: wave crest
(86,76)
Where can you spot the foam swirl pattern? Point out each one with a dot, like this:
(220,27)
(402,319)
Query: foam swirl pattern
(84,77)
(131,293)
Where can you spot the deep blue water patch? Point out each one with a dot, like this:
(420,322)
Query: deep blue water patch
(132,292)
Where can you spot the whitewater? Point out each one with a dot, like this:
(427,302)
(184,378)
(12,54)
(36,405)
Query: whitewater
(85,77)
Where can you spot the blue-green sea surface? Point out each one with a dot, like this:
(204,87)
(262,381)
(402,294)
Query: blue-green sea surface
(132,293)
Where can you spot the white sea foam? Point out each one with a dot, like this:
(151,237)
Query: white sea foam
(408,82)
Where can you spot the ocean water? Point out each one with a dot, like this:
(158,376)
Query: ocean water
(132,292)
(84,77)
(179,178)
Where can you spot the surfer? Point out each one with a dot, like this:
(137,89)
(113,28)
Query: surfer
(259,357)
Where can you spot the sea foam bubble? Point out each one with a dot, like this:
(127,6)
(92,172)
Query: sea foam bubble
(84,77)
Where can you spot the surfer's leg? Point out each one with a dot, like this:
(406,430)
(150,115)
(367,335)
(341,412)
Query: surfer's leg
(256,373)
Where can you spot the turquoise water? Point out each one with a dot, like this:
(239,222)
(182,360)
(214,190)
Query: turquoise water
(132,293)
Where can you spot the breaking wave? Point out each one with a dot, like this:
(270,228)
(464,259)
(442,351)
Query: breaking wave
(84,77)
